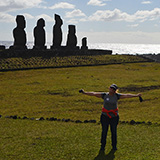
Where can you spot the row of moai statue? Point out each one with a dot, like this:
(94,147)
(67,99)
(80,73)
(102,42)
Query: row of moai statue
(20,39)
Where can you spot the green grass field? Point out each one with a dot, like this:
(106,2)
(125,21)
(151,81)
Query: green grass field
(43,140)
(54,93)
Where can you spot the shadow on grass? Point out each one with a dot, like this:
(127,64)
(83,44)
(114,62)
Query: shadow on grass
(103,156)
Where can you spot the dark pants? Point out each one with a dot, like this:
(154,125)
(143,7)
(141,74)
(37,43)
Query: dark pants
(113,122)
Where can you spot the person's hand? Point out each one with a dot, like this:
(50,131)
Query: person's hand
(140,97)
(139,94)
(81,91)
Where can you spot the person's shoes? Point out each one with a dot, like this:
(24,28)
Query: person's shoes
(101,152)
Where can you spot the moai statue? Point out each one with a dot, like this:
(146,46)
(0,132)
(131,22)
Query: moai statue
(19,33)
(71,38)
(84,43)
(57,32)
(39,35)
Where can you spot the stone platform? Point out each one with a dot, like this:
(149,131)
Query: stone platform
(8,53)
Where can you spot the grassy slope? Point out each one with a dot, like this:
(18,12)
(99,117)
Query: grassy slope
(43,62)
(43,140)
(54,92)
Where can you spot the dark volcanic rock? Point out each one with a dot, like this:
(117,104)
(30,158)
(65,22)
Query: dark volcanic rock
(132,122)
(78,121)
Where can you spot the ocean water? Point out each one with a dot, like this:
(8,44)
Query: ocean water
(117,48)
(120,48)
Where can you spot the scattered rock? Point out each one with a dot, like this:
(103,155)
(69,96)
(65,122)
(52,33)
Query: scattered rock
(41,119)
(67,120)
(14,117)
(86,121)
(52,119)
(63,120)
(122,122)
(132,122)
(92,121)
(24,117)
(78,121)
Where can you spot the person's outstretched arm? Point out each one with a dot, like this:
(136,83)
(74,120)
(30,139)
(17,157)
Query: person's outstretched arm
(96,94)
(129,95)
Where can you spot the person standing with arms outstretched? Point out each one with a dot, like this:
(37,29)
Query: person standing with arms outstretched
(110,115)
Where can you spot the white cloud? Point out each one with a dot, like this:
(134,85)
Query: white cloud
(74,13)
(118,15)
(62,5)
(115,15)
(4,17)
(133,25)
(83,19)
(96,3)
(45,17)
(148,15)
(11,5)
(27,16)
(7,18)
(146,2)
(72,21)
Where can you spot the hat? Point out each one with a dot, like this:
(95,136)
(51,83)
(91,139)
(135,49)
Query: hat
(114,86)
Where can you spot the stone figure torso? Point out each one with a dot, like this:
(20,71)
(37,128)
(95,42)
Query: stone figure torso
(39,33)
(57,31)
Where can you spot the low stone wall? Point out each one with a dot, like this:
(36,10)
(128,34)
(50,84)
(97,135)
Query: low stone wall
(8,53)
(154,57)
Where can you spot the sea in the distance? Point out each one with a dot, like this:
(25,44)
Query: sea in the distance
(117,48)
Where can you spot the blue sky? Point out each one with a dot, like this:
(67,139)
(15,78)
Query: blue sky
(101,21)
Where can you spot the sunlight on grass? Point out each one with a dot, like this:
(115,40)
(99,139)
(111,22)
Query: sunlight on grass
(54,93)
(26,139)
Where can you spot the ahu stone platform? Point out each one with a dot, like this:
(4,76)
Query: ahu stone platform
(63,51)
